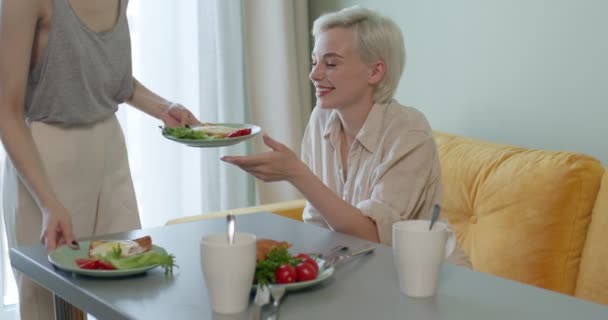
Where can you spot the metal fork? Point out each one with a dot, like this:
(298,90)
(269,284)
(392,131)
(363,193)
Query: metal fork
(344,257)
(277,292)
(327,255)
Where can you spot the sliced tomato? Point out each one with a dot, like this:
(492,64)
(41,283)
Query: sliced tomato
(87,263)
(106,265)
(239,133)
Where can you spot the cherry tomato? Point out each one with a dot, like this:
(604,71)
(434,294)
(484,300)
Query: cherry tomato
(285,274)
(305,272)
(306,258)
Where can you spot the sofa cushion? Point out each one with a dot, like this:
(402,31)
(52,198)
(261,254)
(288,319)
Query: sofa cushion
(519,213)
(593,274)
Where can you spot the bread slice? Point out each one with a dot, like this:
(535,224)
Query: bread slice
(264,246)
(128,247)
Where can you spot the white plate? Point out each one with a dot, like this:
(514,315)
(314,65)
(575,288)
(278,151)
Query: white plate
(64,258)
(214,143)
(323,274)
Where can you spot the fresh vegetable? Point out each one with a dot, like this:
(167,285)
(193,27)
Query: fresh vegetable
(105,265)
(239,133)
(149,258)
(87,263)
(265,269)
(304,258)
(185,133)
(305,272)
(285,273)
(281,267)
(115,260)
(93,264)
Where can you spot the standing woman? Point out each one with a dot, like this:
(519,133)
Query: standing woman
(65,66)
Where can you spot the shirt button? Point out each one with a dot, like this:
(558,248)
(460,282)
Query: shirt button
(473,219)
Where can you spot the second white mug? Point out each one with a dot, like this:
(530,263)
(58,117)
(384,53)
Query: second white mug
(419,253)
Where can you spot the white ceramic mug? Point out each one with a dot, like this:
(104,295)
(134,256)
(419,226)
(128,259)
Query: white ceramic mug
(228,270)
(419,253)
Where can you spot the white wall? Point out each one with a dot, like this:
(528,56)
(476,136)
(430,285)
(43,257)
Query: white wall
(525,72)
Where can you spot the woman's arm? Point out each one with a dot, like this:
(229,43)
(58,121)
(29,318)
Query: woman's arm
(172,114)
(18,23)
(282,164)
(339,214)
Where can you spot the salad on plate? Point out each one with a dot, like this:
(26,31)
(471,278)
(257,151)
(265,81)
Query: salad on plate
(113,257)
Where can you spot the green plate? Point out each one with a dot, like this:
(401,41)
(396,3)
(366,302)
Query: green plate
(324,273)
(65,257)
(214,143)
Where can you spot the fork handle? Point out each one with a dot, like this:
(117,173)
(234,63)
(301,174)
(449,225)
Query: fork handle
(362,251)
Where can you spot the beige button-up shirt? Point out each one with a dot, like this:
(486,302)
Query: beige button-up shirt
(393,168)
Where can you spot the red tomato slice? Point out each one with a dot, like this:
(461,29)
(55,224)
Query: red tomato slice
(91,264)
(285,274)
(239,133)
(105,265)
(305,272)
(81,261)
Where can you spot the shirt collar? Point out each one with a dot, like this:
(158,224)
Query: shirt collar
(368,135)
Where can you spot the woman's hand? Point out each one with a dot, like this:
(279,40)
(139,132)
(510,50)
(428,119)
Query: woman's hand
(277,165)
(178,116)
(57,229)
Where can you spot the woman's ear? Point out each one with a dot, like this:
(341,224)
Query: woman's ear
(377,71)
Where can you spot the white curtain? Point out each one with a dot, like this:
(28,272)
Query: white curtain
(278,61)
(190,52)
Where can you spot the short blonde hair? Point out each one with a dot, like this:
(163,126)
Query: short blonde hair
(378,38)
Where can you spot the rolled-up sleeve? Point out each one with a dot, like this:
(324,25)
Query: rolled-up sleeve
(383,216)
(405,186)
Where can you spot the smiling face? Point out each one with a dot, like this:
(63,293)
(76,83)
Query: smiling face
(342,79)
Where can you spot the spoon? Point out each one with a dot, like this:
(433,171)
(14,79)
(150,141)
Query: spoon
(436,209)
(230,221)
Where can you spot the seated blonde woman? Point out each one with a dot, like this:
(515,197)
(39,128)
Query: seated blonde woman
(367,161)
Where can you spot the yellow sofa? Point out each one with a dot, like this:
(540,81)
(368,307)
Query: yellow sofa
(534,216)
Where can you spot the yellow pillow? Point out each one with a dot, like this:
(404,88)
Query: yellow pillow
(519,213)
(593,274)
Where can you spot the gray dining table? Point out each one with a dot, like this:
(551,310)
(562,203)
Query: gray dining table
(364,288)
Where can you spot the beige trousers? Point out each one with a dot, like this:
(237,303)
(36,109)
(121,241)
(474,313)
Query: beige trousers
(88,169)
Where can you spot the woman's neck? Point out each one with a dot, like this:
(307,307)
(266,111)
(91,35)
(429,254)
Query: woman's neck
(353,118)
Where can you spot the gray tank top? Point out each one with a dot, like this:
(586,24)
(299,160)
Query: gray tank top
(83,75)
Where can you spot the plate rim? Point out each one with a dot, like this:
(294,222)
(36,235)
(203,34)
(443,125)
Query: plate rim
(100,273)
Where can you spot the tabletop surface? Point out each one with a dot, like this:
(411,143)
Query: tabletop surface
(364,288)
